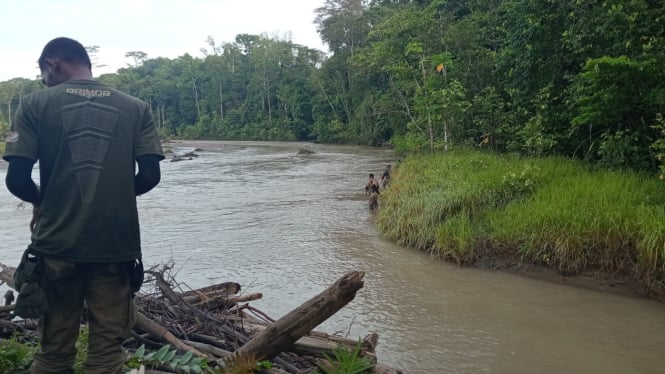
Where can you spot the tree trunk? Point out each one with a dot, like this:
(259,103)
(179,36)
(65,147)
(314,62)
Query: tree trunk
(163,116)
(9,110)
(196,98)
(221,102)
(284,332)
(427,106)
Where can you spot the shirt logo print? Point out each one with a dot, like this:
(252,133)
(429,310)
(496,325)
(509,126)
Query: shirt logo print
(88,129)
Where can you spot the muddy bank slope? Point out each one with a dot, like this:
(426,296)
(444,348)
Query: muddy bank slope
(530,215)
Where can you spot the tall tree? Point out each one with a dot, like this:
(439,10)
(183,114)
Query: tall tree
(138,58)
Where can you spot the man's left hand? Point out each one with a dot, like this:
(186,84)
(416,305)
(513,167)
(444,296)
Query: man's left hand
(33,221)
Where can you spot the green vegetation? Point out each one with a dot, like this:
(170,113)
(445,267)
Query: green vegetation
(659,145)
(580,79)
(15,356)
(346,362)
(549,211)
(167,357)
(2,147)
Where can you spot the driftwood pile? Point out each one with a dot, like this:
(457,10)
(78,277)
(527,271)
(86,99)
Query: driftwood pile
(216,322)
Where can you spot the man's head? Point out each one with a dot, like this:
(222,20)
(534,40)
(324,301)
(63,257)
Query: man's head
(63,59)
(371,175)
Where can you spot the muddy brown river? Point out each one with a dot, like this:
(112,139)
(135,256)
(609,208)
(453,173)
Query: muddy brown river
(288,225)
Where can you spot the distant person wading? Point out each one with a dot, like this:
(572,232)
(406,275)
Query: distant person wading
(372,192)
(385,178)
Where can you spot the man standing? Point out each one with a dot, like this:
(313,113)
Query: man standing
(88,139)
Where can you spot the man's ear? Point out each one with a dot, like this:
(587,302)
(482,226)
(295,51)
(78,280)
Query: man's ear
(49,65)
(54,65)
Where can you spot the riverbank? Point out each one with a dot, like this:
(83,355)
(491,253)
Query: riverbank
(226,336)
(525,214)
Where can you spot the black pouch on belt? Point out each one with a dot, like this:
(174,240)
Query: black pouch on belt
(31,301)
(135,275)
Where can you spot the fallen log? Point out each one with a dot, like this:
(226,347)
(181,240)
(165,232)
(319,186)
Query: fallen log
(244,298)
(284,332)
(303,151)
(210,340)
(228,288)
(158,332)
(319,344)
(225,301)
(7,275)
(10,326)
(209,349)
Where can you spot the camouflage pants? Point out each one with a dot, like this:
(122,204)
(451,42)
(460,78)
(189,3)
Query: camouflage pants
(111,315)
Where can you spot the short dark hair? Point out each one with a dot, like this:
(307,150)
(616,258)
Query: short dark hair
(65,49)
(371,175)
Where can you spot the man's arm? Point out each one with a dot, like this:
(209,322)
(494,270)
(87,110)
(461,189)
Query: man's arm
(149,173)
(19,180)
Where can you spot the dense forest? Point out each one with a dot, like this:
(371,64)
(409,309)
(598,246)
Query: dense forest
(580,78)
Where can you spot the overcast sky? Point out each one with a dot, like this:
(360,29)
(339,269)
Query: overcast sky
(166,28)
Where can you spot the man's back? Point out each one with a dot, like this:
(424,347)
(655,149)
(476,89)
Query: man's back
(86,137)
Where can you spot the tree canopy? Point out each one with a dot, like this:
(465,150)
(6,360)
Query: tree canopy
(580,78)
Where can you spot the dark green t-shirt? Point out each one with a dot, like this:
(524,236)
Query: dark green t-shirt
(86,137)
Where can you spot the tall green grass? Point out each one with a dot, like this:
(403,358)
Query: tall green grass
(553,212)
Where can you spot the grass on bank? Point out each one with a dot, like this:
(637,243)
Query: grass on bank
(550,211)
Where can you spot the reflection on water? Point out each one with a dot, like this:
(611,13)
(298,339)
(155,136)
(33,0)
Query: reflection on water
(289,225)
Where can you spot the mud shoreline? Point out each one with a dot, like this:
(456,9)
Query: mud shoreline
(615,284)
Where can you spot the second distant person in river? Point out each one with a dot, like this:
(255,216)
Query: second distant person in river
(385,178)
